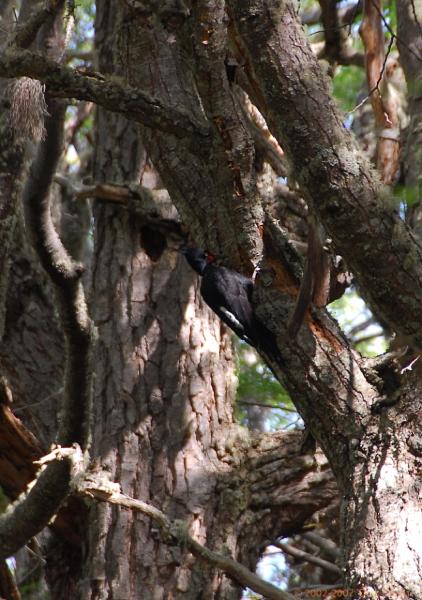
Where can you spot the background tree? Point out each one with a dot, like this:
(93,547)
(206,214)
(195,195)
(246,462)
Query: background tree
(214,124)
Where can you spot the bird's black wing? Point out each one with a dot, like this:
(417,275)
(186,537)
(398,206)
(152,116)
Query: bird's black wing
(227,293)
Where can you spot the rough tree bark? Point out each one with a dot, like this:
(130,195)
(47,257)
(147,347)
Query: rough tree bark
(162,423)
(164,402)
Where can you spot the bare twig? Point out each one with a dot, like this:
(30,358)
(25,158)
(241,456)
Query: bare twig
(263,405)
(362,326)
(367,338)
(177,531)
(396,37)
(326,545)
(310,558)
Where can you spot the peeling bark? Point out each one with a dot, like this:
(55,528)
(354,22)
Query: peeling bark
(385,110)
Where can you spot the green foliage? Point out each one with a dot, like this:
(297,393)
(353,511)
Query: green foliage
(83,35)
(347,83)
(406,196)
(258,385)
(390,13)
(350,310)
(34,590)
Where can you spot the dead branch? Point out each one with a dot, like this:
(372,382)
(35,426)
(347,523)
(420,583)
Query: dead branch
(326,545)
(18,448)
(152,207)
(263,405)
(70,83)
(306,556)
(177,532)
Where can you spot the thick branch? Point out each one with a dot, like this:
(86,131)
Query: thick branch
(27,32)
(152,207)
(339,184)
(65,274)
(282,478)
(33,512)
(69,83)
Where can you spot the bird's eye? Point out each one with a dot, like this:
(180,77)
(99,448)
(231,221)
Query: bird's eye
(210,257)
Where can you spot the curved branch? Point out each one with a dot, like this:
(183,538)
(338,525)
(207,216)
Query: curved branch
(70,83)
(34,511)
(177,531)
(339,184)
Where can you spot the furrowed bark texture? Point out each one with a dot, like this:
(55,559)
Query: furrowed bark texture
(11,172)
(339,184)
(32,348)
(163,418)
(32,345)
(321,372)
(163,400)
(163,408)
(382,521)
(214,184)
(163,387)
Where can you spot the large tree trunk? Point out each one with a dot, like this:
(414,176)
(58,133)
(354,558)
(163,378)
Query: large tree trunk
(162,422)
(381,515)
(163,392)
(163,406)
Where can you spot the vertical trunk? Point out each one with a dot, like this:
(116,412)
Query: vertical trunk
(163,395)
(382,520)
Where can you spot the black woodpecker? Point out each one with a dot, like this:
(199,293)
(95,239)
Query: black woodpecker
(229,295)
